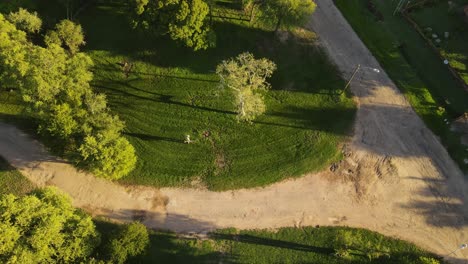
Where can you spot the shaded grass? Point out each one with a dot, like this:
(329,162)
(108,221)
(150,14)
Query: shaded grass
(455,48)
(286,245)
(415,69)
(11,181)
(172,92)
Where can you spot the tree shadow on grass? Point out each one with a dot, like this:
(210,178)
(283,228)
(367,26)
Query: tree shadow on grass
(322,119)
(249,239)
(5,166)
(160,98)
(152,137)
(164,247)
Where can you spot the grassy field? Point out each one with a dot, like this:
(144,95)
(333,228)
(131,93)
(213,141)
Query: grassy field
(173,91)
(286,245)
(11,181)
(440,19)
(414,68)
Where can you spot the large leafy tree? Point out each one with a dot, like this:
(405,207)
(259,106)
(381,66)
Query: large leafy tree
(283,13)
(25,21)
(130,241)
(55,84)
(246,76)
(183,20)
(44,228)
(68,34)
(14,49)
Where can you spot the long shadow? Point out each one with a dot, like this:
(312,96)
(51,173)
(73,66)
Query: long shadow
(151,137)
(5,166)
(321,119)
(163,248)
(167,99)
(249,239)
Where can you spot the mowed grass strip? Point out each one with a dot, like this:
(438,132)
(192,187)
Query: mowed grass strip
(172,92)
(414,67)
(327,245)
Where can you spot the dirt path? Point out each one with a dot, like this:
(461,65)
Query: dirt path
(397,178)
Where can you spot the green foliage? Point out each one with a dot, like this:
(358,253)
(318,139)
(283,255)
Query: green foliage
(285,13)
(182,20)
(131,240)
(56,87)
(43,228)
(52,38)
(26,21)
(428,260)
(109,158)
(70,34)
(246,76)
(14,49)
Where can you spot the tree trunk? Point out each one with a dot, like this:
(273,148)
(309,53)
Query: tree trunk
(278,24)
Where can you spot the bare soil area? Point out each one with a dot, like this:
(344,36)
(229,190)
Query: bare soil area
(396,177)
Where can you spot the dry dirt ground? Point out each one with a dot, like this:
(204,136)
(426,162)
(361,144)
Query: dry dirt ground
(396,179)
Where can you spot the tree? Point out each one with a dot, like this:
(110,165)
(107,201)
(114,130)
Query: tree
(246,76)
(44,228)
(25,21)
(56,87)
(132,240)
(110,158)
(70,34)
(183,20)
(14,49)
(283,13)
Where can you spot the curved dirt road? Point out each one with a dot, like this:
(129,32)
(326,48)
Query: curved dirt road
(397,178)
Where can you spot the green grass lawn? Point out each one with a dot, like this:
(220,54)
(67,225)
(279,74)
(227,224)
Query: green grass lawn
(414,67)
(440,19)
(11,181)
(286,245)
(173,92)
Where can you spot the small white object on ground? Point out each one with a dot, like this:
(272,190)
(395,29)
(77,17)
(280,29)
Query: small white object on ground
(446,34)
(446,62)
(434,36)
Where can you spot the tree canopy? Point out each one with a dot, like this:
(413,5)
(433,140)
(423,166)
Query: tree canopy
(55,84)
(283,13)
(44,228)
(130,241)
(246,76)
(25,21)
(183,20)
(66,33)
